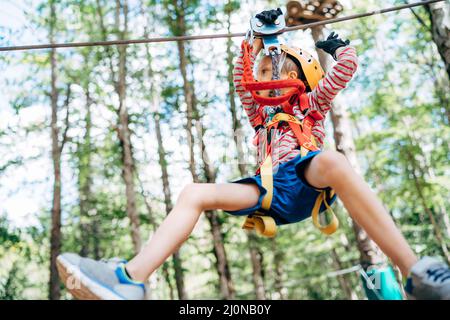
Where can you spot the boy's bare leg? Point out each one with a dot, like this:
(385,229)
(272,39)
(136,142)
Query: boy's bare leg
(178,225)
(331,169)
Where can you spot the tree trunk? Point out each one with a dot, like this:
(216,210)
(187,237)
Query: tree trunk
(256,257)
(85,182)
(95,225)
(225,282)
(55,240)
(165,271)
(445,220)
(439,14)
(278,257)
(257,269)
(419,189)
(177,262)
(424,170)
(164,267)
(55,236)
(370,254)
(123,131)
(236,122)
(345,285)
(187,89)
(176,258)
(439,17)
(430,214)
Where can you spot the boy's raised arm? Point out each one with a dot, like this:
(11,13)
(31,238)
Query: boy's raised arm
(340,74)
(250,106)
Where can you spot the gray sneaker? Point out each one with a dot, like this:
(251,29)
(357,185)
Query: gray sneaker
(429,280)
(88,279)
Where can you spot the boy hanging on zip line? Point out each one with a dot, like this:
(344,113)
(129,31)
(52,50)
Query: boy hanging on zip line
(295,179)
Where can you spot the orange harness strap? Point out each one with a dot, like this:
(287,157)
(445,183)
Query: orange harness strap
(302,131)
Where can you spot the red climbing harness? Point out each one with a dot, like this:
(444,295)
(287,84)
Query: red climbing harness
(297,94)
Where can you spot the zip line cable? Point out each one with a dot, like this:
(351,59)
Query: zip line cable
(211,36)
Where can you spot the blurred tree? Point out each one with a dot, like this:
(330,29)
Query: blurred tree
(59,138)
(178,26)
(118,78)
(439,14)
(153,97)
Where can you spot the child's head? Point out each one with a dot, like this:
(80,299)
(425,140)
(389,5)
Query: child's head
(296,64)
(289,70)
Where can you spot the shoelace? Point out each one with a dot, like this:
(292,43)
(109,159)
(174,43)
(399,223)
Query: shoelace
(442,273)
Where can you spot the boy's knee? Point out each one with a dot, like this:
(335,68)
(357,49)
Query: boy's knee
(332,163)
(191,195)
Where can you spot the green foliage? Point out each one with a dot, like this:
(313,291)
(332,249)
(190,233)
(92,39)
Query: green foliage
(8,238)
(13,285)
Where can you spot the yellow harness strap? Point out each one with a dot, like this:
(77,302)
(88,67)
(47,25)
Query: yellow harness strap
(334,223)
(283,117)
(265,225)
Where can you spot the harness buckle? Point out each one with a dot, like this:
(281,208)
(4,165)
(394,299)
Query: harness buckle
(308,145)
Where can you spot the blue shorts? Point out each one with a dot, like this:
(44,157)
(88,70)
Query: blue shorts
(293,198)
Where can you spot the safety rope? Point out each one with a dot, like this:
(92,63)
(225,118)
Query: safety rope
(211,36)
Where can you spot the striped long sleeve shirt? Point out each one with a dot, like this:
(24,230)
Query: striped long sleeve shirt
(284,143)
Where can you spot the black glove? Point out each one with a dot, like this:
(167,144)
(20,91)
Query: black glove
(258,127)
(332,43)
(269,16)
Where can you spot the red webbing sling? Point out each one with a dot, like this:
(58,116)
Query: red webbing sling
(249,83)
